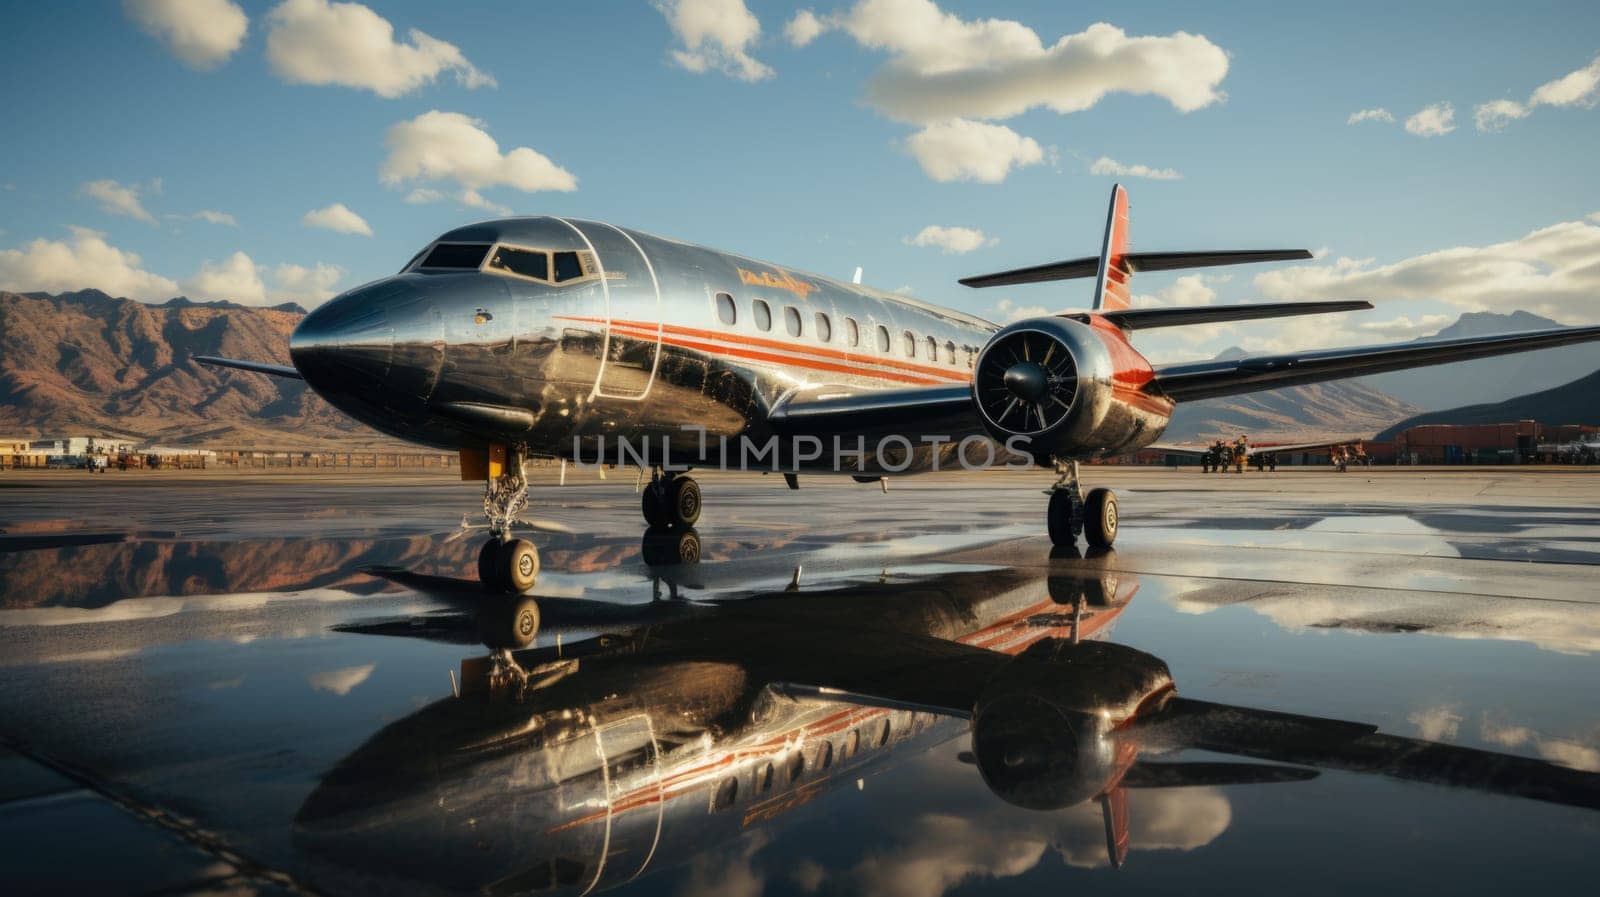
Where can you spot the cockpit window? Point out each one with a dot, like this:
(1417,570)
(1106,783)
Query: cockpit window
(568,266)
(456,255)
(526,262)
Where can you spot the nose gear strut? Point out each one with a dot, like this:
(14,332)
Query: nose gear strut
(1071,514)
(506,564)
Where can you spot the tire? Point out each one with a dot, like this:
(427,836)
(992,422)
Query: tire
(683,502)
(655,510)
(668,547)
(1100,518)
(519,565)
(509,622)
(489,566)
(1058,519)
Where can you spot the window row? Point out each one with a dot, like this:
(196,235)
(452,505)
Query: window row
(912,346)
(794,770)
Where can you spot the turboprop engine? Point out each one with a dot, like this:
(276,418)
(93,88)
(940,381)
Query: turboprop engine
(1058,382)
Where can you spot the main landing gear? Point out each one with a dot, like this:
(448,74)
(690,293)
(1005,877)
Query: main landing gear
(506,564)
(670,500)
(1070,513)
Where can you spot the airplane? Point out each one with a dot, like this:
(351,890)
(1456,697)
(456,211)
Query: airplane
(546,336)
(582,767)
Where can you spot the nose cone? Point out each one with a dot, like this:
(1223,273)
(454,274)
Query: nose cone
(347,343)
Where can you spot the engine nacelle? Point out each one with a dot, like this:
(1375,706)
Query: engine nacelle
(1042,730)
(1053,381)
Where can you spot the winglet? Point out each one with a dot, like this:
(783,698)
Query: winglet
(259,367)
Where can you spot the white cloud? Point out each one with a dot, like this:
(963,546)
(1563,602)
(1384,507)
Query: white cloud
(1564,751)
(1108,166)
(308,286)
(449,146)
(201,33)
(962,150)
(804,28)
(119,199)
(1188,290)
(341,681)
(212,216)
(951,240)
(1553,271)
(1007,311)
(84,262)
(1577,88)
(1404,327)
(942,66)
(1441,723)
(337,218)
(235,278)
(1436,120)
(1379,114)
(1495,115)
(716,34)
(349,45)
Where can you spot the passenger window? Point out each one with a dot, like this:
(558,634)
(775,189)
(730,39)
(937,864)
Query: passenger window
(726,311)
(852,331)
(950,352)
(568,267)
(911,344)
(883,338)
(525,262)
(763,782)
(883,734)
(791,320)
(727,793)
(852,743)
(933,349)
(763,314)
(797,767)
(824,328)
(825,756)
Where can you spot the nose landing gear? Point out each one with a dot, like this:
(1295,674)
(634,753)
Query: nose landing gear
(1070,513)
(506,564)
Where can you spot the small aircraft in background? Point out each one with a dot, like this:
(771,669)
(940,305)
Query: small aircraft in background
(526,337)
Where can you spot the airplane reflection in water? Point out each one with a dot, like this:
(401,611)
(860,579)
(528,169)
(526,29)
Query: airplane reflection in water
(578,768)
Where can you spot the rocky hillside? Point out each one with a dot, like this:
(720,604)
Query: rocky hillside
(87,363)
(1577,402)
(1297,413)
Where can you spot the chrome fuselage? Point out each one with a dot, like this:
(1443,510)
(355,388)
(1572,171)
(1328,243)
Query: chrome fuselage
(638,347)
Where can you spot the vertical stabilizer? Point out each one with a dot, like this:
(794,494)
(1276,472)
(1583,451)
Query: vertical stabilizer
(1112,281)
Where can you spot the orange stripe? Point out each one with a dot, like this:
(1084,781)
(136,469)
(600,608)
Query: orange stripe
(800,348)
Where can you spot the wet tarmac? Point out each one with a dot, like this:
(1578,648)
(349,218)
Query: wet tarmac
(1299,682)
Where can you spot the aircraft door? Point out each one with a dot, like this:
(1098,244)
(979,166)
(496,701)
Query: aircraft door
(630,348)
(634,799)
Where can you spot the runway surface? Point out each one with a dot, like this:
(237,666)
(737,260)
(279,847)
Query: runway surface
(188,657)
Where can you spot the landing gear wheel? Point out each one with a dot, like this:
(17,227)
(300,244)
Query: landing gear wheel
(683,501)
(670,547)
(489,566)
(654,506)
(519,565)
(1100,518)
(511,622)
(1059,519)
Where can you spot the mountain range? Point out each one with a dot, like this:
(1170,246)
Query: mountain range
(1577,402)
(86,363)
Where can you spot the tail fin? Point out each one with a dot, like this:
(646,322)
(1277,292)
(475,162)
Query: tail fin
(1111,288)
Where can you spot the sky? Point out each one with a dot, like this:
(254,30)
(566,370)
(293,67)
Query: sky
(1438,157)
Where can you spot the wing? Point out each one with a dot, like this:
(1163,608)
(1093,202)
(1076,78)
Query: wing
(1195,451)
(1210,379)
(259,367)
(1088,266)
(848,410)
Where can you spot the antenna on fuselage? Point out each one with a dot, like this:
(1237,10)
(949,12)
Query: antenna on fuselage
(857,279)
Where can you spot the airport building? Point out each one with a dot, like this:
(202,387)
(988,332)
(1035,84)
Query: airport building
(1520,442)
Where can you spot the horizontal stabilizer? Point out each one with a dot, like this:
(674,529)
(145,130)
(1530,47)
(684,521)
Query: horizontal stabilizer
(1146,318)
(259,367)
(1089,266)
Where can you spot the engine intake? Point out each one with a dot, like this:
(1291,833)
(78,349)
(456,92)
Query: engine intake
(1048,379)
